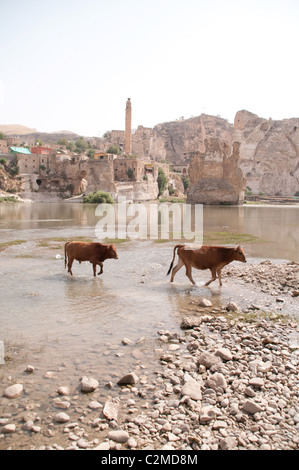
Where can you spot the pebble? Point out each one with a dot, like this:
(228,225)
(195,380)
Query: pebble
(62,418)
(118,436)
(88,384)
(14,391)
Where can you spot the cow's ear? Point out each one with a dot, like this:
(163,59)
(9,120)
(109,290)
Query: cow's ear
(238,248)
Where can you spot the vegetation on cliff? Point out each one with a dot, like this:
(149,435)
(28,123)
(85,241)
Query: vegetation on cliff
(98,197)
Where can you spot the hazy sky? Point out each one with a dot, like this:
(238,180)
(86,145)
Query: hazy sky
(72,64)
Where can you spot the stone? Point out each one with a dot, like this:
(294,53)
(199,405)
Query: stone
(62,418)
(228,443)
(29,369)
(128,379)
(126,341)
(83,444)
(232,307)
(224,353)
(256,382)
(14,391)
(217,380)
(64,390)
(119,436)
(208,359)
(8,429)
(110,410)
(103,446)
(205,303)
(88,384)
(207,413)
(251,407)
(192,388)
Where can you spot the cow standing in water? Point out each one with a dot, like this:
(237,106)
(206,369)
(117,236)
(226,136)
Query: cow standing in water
(206,257)
(95,253)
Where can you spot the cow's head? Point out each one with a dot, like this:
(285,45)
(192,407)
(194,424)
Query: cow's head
(111,252)
(239,254)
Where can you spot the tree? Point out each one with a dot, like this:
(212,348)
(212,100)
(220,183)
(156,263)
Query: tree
(90,153)
(114,149)
(186,182)
(162,180)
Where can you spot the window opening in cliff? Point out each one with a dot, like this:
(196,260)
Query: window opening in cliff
(39,182)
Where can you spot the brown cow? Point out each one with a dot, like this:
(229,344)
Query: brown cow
(206,257)
(95,253)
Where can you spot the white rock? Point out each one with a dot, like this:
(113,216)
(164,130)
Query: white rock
(207,413)
(126,341)
(14,391)
(217,380)
(103,446)
(224,353)
(88,384)
(62,417)
(119,436)
(192,388)
(8,428)
(207,359)
(110,410)
(82,444)
(256,382)
(228,443)
(205,303)
(64,390)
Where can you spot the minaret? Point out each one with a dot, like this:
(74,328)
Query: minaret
(128,145)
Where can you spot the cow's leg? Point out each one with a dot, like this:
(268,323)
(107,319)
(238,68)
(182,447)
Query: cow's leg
(219,276)
(213,272)
(100,264)
(176,268)
(94,269)
(69,265)
(189,273)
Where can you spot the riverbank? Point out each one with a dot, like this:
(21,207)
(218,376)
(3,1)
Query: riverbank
(226,378)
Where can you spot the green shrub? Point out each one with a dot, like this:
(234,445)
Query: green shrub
(98,197)
(162,180)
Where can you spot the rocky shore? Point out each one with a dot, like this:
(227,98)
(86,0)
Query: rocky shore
(226,381)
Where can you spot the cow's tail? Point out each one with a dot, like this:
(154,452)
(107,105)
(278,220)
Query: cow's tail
(170,268)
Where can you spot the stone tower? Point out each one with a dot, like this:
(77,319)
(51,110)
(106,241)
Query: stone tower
(128,132)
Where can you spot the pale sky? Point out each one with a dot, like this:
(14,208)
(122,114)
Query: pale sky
(72,64)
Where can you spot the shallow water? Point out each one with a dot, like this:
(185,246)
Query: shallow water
(80,318)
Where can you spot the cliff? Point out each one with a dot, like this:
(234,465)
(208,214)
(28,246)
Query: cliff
(177,141)
(215,175)
(269,153)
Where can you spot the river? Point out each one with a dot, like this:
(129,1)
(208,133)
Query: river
(76,324)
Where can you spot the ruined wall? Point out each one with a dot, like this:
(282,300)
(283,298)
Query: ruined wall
(215,175)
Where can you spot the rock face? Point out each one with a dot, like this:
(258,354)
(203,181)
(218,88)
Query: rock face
(269,153)
(177,141)
(215,175)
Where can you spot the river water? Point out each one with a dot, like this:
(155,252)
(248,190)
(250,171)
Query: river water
(76,324)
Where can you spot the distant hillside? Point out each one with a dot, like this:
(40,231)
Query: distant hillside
(16,129)
(20,130)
